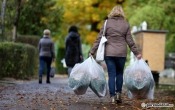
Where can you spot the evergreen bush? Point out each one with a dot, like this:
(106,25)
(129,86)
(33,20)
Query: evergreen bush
(18,60)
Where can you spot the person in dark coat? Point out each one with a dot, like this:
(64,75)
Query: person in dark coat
(118,37)
(73,52)
(46,55)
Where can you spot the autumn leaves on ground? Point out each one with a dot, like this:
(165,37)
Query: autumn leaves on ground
(29,95)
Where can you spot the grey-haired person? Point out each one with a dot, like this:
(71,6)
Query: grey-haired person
(46,54)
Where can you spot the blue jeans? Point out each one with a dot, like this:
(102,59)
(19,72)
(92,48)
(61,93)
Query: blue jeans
(115,67)
(42,61)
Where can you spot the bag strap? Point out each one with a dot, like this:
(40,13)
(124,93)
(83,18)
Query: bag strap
(104,29)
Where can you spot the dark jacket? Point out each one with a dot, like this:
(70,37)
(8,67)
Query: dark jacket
(119,36)
(46,47)
(73,49)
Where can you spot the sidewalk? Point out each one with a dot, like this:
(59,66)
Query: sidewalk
(29,95)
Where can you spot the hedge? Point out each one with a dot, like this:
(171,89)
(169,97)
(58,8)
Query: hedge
(60,53)
(28,39)
(18,60)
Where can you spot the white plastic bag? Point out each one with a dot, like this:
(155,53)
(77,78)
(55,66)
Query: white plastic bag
(98,81)
(139,80)
(88,73)
(79,80)
(101,49)
(64,63)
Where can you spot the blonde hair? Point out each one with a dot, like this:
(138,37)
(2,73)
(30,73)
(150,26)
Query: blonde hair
(46,32)
(116,11)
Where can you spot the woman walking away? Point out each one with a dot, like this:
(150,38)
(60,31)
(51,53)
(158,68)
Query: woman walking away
(118,37)
(46,55)
(73,53)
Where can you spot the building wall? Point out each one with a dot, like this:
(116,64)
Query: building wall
(154,50)
(152,47)
(139,41)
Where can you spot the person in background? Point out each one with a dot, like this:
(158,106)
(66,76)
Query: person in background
(46,55)
(73,53)
(118,37)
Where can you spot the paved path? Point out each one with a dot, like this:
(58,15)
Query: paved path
(29,95)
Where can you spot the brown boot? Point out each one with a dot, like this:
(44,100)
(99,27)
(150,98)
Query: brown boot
(113,100)
(118,98)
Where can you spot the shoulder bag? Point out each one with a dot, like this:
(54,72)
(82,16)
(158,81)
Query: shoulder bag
(101,47)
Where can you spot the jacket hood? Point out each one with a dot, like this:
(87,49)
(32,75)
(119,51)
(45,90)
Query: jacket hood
(73,35)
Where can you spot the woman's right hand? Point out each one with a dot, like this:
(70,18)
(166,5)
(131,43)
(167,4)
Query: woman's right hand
(139,56)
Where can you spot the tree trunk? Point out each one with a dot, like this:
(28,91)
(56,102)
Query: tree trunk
(2,19)
(16,20)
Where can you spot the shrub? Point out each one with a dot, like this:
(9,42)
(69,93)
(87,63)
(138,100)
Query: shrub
(60,53)
(28,39)
(17,60)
